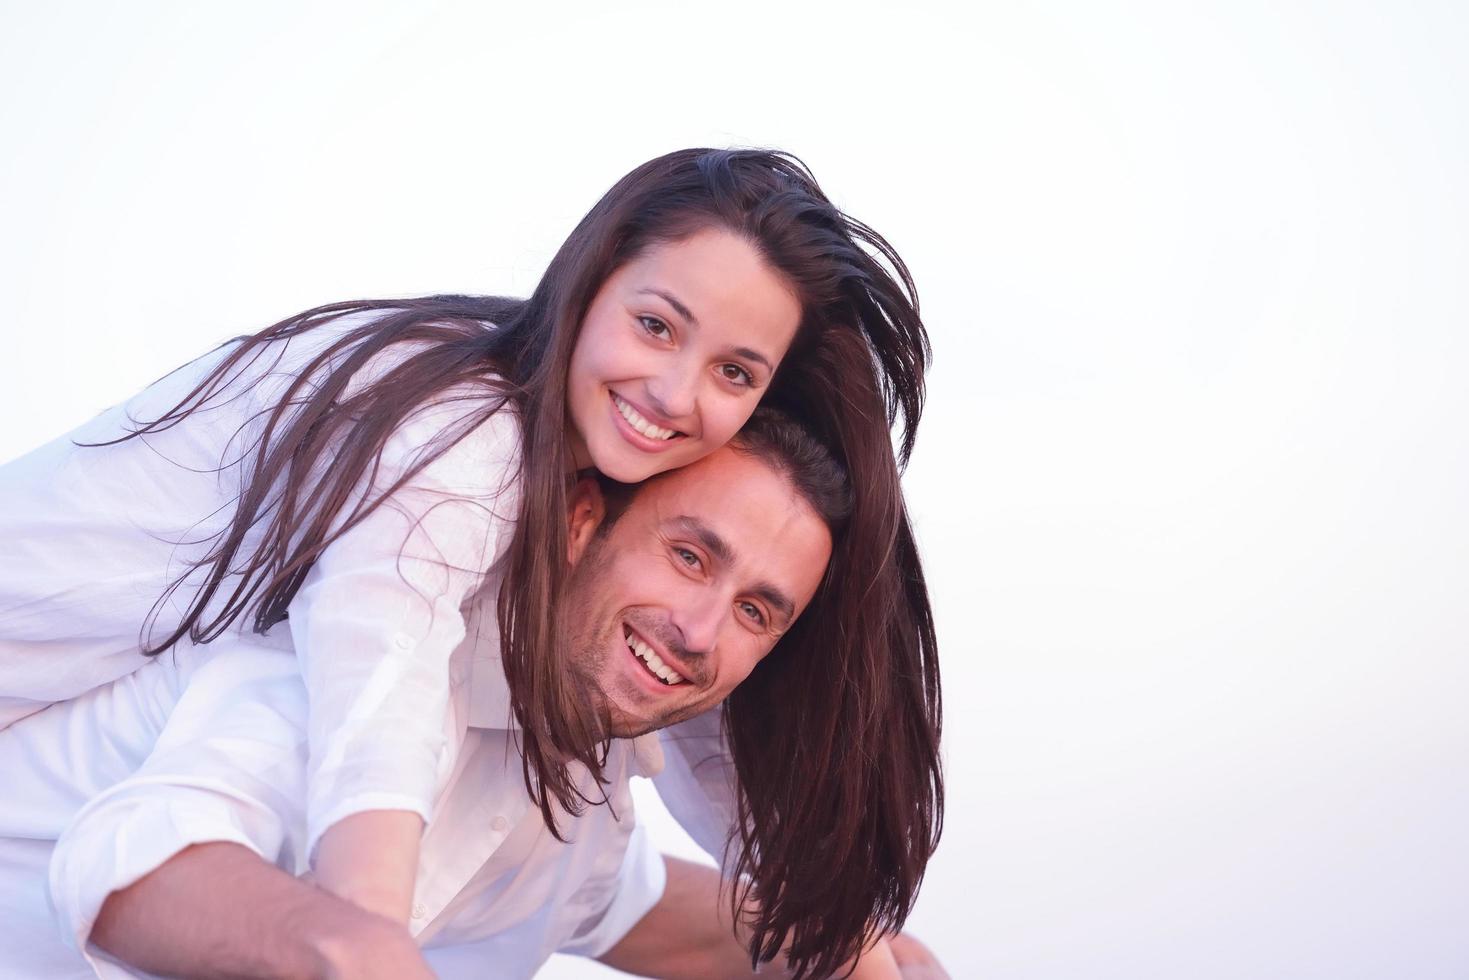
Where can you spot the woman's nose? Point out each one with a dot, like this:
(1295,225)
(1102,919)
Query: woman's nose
(675,393)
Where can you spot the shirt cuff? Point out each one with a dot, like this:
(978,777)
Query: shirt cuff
(319,824)
(131,830)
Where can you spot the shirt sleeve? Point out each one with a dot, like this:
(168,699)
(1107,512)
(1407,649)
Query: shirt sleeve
(379,614)
(227,766)
(639,884)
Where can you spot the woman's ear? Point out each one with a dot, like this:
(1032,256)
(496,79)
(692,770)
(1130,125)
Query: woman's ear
(587,511)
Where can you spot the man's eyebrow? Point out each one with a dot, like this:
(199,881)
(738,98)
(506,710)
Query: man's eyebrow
(778,599)
(707,537)
(678,307)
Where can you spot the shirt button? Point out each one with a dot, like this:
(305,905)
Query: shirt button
(402,641)
(500,824)
(418,910)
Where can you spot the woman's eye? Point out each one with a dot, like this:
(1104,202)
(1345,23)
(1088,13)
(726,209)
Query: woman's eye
(737,374)
(655,327)
(753,611)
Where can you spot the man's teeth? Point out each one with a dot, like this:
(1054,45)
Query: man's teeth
(653,662)
(641,424)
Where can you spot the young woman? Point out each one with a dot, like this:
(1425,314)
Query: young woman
(270,479)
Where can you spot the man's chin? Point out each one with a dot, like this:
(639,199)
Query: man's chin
(630,712)
(627,725)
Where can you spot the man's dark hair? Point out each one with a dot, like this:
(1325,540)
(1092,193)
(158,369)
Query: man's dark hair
(783,444)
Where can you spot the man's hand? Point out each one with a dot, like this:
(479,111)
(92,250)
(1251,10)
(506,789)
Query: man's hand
(875,963)
(688,934)
(370,948)
(220,911)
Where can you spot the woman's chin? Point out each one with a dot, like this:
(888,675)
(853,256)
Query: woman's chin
(628,465)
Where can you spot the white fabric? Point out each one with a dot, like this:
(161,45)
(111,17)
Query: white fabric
(392,617)
(91,537)
(211,746)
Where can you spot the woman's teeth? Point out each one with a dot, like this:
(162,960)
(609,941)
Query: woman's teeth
(641,424)
(652,661)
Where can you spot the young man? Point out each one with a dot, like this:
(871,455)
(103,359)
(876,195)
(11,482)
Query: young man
(172,784)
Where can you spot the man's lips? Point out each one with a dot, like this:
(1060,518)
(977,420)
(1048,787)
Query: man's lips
(657,669)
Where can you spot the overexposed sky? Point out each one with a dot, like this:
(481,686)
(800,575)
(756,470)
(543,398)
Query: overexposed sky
(1191,485)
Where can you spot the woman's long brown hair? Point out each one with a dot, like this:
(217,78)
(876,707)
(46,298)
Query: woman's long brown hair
(835,735)
(855,368)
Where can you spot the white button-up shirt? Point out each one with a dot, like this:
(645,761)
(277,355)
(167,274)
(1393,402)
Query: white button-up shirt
(210,746)
(92,537)
(388,630)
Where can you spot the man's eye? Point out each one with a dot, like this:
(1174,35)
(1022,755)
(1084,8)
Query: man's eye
(737,374)
(687,557)
(656,327)
(753,611)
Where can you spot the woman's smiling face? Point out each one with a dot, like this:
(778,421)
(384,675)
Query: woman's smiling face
(675,351)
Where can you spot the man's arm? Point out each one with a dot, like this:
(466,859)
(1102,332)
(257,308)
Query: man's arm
(220,911)
(688,934)
(169,869)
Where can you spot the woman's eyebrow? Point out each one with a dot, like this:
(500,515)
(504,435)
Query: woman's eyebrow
(748,353)
(672,301)
(753,355)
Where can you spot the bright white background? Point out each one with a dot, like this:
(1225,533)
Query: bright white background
(1191,485)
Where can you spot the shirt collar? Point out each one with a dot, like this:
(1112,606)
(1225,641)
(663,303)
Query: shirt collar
(489,707)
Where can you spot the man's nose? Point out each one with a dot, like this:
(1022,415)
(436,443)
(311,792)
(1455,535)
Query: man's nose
(699,621)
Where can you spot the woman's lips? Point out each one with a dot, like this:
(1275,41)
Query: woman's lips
(638,430)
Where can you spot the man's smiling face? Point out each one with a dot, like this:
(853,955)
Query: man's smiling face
(676,602)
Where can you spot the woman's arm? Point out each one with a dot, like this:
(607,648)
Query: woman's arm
(380,613)
(371,860)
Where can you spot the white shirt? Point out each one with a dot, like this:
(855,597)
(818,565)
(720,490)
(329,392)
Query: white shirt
(210,745)
(90,538)
(388,622)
